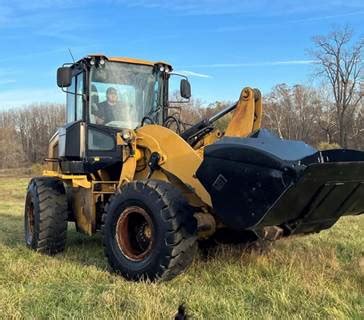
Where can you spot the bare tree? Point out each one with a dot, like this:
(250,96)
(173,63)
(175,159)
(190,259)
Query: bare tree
(185,112)
(24,133)
(11,154)
(326,115)
(339,62)
(293,112)
(356,125)
(274,110)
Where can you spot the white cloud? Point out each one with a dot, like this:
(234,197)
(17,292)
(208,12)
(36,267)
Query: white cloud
(254,64)
(193,74)
(263,7)
(45,17)
(235,28)
(191,7)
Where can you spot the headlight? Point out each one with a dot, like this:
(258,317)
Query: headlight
(126,135)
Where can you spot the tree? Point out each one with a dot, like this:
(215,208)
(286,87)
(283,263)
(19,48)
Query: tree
(293,112)
(11,154)
(339,62)
(326,116)
(25,132)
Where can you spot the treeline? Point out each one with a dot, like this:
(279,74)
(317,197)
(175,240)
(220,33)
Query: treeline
(25,132)
(297,112)
(308,114)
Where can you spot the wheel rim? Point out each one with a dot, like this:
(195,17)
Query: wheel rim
(30,222)
(134,233)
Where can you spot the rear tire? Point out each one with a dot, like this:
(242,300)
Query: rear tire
(149,231)
(45,215)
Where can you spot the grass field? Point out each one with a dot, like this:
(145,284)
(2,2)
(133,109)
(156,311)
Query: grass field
(313,277)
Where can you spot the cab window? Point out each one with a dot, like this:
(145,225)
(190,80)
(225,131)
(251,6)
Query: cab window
(123,94)
(79,97)
(74,99)
(71,101)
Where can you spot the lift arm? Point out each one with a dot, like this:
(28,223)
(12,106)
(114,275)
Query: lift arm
(248,114)
(246,119)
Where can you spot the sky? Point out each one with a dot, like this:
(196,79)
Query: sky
(222,45)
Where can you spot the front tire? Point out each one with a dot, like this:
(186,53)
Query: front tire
(45,215)
(149,231)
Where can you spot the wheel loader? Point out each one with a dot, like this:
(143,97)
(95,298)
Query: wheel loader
(154,187)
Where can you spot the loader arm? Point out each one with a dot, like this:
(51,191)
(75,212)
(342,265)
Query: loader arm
(247,116)
(246,119)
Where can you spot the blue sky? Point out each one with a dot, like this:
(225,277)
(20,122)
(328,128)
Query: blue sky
(223,44)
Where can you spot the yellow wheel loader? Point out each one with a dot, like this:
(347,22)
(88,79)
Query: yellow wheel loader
(118,167)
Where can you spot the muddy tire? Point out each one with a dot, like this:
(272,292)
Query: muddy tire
(149,231)
(45,215)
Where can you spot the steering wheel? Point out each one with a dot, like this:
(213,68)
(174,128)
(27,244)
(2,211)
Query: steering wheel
(168,123)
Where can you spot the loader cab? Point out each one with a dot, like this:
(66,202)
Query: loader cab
(87,142)
(140,89)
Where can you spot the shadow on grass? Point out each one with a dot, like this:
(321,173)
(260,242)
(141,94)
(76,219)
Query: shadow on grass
(88,250)
(83,249)
(234,247)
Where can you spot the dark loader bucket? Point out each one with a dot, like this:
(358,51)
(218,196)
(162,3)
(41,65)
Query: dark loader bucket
(265,181)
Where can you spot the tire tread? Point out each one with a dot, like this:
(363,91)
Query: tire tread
(176,214)
(52,213)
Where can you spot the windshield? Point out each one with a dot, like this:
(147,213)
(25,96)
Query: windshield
(123,94)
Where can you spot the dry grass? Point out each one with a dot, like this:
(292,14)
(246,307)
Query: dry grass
(313,277)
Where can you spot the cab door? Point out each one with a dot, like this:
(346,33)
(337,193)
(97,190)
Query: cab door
(75,101)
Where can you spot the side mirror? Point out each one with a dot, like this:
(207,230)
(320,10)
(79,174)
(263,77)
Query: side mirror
(185,89)
(64,77)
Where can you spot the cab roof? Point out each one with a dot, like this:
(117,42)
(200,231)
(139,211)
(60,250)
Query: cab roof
(130,60)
